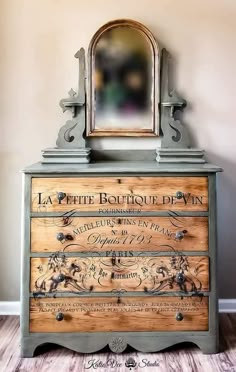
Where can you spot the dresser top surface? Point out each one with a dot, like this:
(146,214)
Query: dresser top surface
(112,167)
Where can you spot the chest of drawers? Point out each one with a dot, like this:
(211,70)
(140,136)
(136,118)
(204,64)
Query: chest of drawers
(119,254)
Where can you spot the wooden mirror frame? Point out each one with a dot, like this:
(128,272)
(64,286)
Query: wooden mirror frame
(90,122)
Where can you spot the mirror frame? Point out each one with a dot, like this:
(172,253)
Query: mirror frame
(155,98)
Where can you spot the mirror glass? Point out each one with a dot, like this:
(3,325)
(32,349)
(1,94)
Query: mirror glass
(123,81)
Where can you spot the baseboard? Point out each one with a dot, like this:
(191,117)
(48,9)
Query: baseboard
(227,305)
(9,307)
(13,307)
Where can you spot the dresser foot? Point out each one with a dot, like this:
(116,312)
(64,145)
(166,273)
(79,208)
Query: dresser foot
(27,349)
(209,347)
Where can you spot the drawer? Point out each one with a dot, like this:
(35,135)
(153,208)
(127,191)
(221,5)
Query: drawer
(108,234)
(59,273)
(125,194)
(131,314)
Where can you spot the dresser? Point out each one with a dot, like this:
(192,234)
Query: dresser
(119,253)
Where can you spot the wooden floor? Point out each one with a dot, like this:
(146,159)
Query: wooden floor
(186,358)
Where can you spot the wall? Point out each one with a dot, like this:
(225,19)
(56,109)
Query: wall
(38,40)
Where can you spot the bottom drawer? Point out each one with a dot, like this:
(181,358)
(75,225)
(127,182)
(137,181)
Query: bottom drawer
(131,314)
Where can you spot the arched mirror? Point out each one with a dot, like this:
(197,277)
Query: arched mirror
(123,81)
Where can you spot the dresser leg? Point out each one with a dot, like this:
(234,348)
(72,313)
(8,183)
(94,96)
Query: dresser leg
(209,347)
(27,349)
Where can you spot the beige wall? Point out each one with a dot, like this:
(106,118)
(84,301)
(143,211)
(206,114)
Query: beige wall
(38,39)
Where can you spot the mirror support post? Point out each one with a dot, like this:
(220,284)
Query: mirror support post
(175,143)
(71,144)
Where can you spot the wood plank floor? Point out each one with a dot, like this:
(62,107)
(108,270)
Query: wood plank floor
(177,359)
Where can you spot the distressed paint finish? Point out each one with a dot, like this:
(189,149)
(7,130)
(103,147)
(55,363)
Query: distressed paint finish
(146,341)
(59,273)
(175,135)
(107,166)
(131,314)
(136,193)
(107,234)
(178,358)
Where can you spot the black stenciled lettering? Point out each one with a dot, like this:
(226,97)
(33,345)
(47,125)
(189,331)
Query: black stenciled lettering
(199,199)
(166,199)
(186,198)
(47,200)
(103,198)
(40,198)
(142,223)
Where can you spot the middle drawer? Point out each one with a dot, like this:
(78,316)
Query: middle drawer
(102,234)
(59,273)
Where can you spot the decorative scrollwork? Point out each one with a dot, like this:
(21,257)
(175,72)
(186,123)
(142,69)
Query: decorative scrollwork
(174,133)
(71,135)
(148,274)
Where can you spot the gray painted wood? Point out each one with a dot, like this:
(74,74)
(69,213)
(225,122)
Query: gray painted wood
(87,343)
(76,213)
(134,253)
(121,168)
(175,143)
(118,293)
(141,341)
(71,134)
(180,155)
(66,156)
(184,358)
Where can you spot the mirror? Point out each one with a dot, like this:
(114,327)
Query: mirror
(123,89)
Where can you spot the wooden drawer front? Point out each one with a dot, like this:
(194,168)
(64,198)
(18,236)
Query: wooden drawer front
(107,234)
(132,314)
(123,193)
(106,274)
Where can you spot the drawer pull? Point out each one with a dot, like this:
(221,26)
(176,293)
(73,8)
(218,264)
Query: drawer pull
(59,317)
(61,195)
(60,278)
(60,236)
(179,194)
(180,278)
(180,234)
(113,261)
(179,317)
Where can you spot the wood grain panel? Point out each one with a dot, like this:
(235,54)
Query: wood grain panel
(59,273)
(107,234)
(107,315)
(108,194)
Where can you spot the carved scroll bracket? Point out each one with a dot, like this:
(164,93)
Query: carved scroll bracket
(175,144)
(71,143)
(71,134)
(75,101)
(174,133)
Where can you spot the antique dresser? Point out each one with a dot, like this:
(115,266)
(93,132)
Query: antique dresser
(119,248)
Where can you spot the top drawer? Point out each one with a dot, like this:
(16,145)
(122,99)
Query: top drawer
(124,194)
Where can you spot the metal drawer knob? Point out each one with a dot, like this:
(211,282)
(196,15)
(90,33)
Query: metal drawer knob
(180,278)
(179,317)
(60,278)
(60,236)
(180,234)
(179,194)
(59,317)
(61,195)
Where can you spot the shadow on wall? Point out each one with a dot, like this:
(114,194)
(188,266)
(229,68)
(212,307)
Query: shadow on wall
(226,218)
